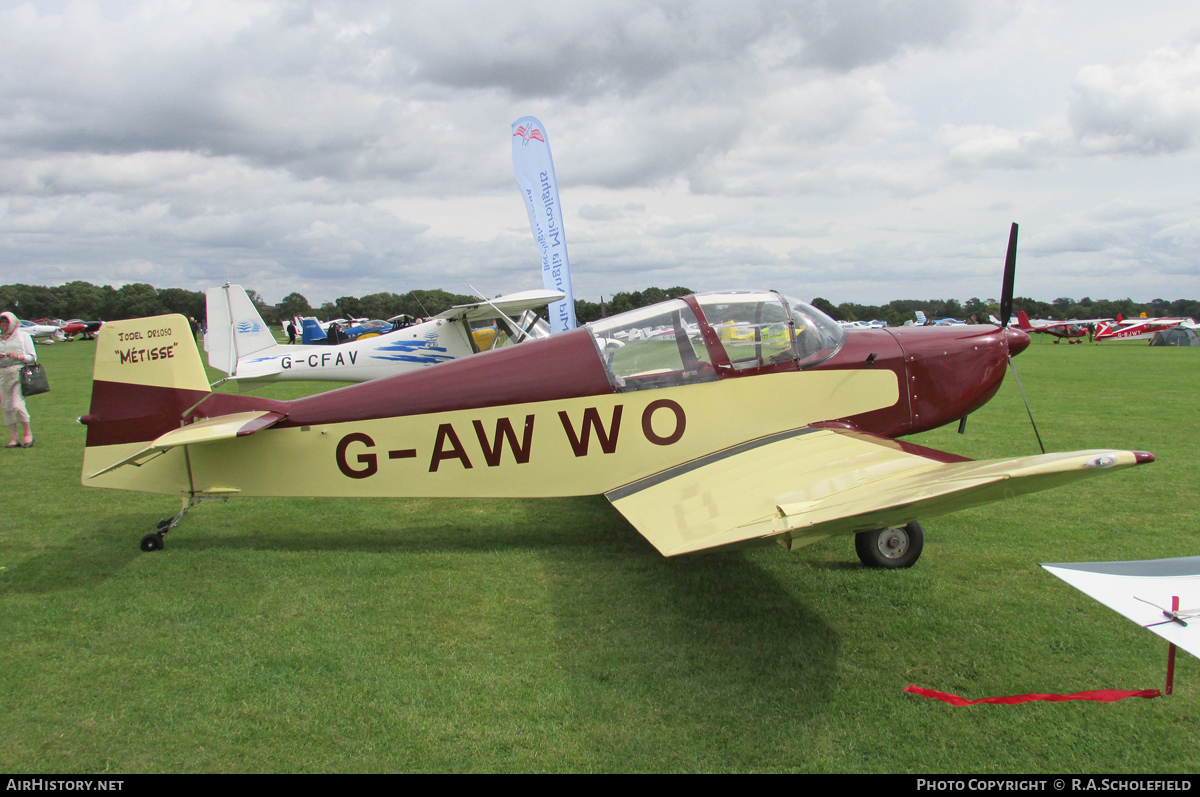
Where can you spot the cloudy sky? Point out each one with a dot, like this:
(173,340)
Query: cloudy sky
(858,150)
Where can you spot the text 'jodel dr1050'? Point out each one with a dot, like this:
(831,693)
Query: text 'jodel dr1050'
(714,420)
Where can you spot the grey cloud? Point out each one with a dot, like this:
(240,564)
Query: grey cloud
(845,34)
(1150,107)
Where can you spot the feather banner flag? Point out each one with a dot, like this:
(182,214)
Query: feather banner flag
(539,188)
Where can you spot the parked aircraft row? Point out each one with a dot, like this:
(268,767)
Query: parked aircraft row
(49,330)
(1102,329)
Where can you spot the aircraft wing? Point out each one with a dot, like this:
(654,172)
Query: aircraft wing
(511,305)
(1142,592)
(222,427)
(808,484)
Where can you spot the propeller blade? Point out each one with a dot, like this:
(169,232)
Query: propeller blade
(1010,273)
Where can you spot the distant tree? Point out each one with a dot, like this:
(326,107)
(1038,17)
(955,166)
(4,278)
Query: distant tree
(184,302)
(826,307)
(84,300)
(976,309)
(293,305)
(382,305)
(586,312)
(136,300)
(349,306)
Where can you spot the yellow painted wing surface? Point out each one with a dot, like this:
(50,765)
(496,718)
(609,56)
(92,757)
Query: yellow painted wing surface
(808,484)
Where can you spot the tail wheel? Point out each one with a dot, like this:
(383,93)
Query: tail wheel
(890,548)
(152,542)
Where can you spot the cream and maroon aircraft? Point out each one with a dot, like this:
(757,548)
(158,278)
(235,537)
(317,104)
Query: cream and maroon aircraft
(700,439)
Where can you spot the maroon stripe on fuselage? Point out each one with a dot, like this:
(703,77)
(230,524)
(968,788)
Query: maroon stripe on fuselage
(559,367)
(562,366)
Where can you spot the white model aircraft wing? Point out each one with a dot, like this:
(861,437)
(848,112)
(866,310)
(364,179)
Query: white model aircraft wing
(222,427)
(511,305)
(802,486)
(1142,592)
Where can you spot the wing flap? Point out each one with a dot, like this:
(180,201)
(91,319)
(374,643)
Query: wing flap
(222,427)
(812,483)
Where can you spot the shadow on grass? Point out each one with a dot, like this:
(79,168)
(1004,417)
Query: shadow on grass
(84,560)
(701,662)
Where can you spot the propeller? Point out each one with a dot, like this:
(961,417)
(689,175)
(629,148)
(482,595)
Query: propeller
(1010,274)
(1006,306)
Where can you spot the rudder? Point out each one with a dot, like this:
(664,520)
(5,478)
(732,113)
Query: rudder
(147,374)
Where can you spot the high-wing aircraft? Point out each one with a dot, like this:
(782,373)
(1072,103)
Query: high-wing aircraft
(1072,331)
(788,436)
(240,343)
(1138,328)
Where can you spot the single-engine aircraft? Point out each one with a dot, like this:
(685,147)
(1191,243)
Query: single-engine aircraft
(240,343)
(46,333)
(789,436)
(1139,328)
(1072,331)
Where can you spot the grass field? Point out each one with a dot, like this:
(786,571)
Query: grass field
(496,635)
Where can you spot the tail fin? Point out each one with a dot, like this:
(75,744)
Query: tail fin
(147,375)
(235,328)
(1023,321)
(312,331)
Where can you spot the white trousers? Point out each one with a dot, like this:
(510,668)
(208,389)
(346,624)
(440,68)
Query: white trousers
(11,396)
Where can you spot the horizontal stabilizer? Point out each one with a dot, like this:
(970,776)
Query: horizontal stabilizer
(802,486)
(511,305)
(252,369)
(223,427)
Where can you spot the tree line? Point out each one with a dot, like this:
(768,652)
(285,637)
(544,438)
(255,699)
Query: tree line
(79,299)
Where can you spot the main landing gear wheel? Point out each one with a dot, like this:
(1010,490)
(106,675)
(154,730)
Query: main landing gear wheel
(152,542)
(892,548)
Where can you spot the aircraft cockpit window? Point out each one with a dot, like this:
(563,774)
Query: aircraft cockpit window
(753,326)
(654,347)
(818,337)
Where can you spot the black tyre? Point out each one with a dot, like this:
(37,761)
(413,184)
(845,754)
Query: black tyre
(152,542)
(892,548)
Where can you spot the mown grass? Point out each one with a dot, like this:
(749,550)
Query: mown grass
(497,635)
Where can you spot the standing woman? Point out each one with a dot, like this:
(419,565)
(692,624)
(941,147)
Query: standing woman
(16,349)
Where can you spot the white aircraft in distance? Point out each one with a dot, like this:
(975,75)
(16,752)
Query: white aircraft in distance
(46,333)
(240,343)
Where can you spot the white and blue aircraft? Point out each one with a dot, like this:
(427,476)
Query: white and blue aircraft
(240,343)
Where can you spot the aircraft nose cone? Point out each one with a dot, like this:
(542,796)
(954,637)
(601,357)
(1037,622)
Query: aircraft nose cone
(1018,341)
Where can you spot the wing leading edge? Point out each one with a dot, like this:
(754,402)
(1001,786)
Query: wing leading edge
(808,484)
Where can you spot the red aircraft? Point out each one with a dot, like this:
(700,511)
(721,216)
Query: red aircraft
(1073,331)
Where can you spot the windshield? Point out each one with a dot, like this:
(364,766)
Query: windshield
(818,336)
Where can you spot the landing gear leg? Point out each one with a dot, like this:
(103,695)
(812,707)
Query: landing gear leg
(891,548)
(154,542)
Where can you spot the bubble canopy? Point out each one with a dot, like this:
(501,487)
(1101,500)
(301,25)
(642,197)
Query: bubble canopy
(710,336)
